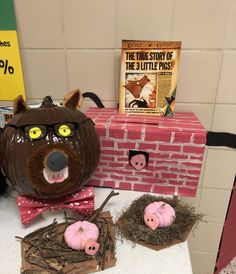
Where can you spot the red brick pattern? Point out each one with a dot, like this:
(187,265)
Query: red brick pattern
(175,146)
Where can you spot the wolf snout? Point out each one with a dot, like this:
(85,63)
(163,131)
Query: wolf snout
(56,161)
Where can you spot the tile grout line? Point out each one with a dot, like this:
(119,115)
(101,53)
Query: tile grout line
(116,84)
(172,21)
(220,71)
(64,49)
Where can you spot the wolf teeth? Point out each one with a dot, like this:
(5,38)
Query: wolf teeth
(55,177)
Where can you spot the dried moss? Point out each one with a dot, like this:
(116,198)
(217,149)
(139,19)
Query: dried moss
(131,224)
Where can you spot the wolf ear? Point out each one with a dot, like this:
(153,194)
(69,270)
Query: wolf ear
(73,99)
(19,105)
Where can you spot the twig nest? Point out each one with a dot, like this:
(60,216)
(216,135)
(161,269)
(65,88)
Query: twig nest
(131,223)
(82,235)
(158,215)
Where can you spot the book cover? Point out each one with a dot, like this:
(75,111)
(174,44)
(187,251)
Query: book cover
(149,73)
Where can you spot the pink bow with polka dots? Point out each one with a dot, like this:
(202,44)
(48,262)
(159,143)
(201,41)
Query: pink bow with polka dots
(81,202)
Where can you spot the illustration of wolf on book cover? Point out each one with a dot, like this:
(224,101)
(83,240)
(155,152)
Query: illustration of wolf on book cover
(149,73)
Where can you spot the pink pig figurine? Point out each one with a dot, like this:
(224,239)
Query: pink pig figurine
(158,214)
(82,235)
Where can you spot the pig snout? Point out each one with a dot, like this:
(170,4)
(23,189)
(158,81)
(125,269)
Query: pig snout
(151,220)
(91,247)
(138,161)
(159,214)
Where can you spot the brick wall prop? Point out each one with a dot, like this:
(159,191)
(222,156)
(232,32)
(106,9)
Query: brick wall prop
(175,146)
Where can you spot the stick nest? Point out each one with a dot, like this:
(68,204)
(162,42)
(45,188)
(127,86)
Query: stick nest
(131,223)
(44,251)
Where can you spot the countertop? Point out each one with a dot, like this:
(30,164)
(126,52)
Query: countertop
(131,259)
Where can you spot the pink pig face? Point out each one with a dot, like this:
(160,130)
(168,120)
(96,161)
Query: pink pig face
(138,161)
(159,214)
(151,220)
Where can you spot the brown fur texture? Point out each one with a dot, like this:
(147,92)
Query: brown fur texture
(73,99)
(19,105)
(35,165)
(22,159)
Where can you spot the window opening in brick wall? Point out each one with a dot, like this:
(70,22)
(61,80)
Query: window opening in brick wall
(138,159)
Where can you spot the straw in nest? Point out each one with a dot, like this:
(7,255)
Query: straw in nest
(131,224)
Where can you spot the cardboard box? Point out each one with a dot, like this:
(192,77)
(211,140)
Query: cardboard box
(174,145)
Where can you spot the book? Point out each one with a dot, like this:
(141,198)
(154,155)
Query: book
(148,79)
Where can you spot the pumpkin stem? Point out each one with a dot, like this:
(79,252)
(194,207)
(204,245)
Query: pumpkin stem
(47,102)
(81,229)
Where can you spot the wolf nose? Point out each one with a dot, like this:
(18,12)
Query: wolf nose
(56,161)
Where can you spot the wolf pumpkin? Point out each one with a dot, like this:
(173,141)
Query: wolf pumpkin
(50,151)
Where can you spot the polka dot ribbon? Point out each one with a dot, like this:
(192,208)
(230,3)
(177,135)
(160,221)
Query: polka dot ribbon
(81,202)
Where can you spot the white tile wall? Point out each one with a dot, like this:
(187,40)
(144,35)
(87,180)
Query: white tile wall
(117,71)
(144,19)
(207,262)
(209,233)
(230,39)
(76,44)
(204,112)
(220,169)
(199,74)
(89,103)
(92,71)
(224,118)
(226,93)
(89,25)
(200,24)
(214,203)
(39,24)
(44,73)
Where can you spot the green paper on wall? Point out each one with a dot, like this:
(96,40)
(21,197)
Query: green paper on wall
(11,76)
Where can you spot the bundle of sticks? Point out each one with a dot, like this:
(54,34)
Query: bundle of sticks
(44,251)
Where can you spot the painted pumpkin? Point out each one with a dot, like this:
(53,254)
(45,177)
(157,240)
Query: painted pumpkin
(158,215)
(82,235)
(49,151)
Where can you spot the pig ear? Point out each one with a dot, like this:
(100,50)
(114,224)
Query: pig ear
(73,99)
(19,105)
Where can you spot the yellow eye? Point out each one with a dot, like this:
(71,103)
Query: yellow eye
(64,130)
(35,133)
